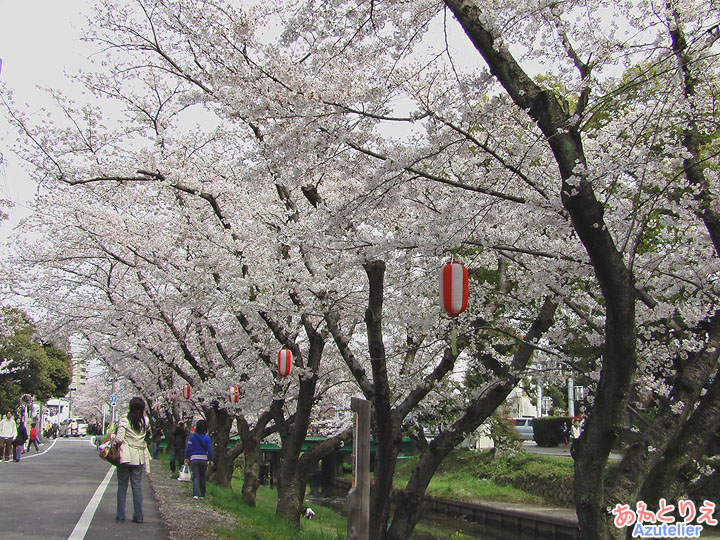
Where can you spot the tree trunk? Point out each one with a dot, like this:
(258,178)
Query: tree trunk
(668,478)
(251,450)
(288,505)
(219,424)
(386,430)
(291,482)
(616,282)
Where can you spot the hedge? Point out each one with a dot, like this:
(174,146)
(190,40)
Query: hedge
(547,431)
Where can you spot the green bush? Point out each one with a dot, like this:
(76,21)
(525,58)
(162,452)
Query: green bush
(547,431)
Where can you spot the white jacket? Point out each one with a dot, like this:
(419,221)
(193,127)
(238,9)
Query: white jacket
(133,450)
(8,428)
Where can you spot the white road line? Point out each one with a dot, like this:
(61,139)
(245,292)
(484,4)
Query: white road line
(28,455)
(84,522)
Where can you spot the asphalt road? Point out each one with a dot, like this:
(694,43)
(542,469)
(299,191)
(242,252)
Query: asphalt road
(66,492)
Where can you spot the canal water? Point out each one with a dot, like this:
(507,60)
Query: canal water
(433,526)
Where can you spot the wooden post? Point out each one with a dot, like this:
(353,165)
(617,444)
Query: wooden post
(359,495)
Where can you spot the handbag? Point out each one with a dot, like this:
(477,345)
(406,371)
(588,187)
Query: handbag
(184,474)
(110,451)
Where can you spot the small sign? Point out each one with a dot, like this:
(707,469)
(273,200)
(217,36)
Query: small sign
(113,400)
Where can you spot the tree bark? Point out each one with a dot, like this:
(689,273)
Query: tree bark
(385,429)
(291,480)
(219,424)
(251,452)
(664,434)
(668,479)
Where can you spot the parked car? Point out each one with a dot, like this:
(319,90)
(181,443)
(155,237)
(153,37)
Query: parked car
(524,427)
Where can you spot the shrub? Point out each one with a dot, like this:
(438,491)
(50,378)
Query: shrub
(548,430)
(505,437)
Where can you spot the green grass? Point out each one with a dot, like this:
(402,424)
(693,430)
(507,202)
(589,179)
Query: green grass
(263,523)
(469,476)
(462,476)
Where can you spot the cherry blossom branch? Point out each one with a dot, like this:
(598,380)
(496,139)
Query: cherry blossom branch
(428,176)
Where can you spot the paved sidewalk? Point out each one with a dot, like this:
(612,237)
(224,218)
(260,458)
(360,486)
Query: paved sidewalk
(104,526)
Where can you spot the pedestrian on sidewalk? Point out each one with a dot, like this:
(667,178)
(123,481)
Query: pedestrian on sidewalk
(20,438)
(157,436)
(33,438)
(178,440)
(198,454)
(8,432)
(566,433)
(134,457)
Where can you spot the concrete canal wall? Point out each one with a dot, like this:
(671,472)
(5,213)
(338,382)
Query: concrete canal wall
(512,521)
(516,523)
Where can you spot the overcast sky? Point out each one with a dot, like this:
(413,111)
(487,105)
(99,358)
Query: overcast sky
(39,40)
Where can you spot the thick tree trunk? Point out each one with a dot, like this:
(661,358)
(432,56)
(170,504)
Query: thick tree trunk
(251,472)
(219,424)
(664,434)
(668,479)
(291,482)
(251,441)
(616,282)
(385,429)
(289,485)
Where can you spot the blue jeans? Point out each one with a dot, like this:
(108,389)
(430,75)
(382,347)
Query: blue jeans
(176,455)
(156,449)
(198,469)
(33,442)
(132,473)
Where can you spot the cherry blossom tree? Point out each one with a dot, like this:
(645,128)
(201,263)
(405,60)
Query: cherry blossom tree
(345,149)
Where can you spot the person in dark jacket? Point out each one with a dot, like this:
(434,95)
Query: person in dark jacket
(20,438)
(157,435)
(198,454)
(177,445)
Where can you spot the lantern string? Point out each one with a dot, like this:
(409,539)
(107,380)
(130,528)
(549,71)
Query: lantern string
(453,340)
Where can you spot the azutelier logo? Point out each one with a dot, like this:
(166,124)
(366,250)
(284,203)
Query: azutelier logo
(662,523)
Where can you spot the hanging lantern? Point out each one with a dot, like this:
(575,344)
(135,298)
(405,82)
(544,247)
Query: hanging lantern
(234,394)
(187,391)
(454,288)
(284,361)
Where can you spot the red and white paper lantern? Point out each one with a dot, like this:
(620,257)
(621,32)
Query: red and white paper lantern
(454,288)
(285,358)
(187,391)
(234,394)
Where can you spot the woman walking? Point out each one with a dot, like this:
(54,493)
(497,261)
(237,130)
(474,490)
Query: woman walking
(134,456)
(198,454)
(19,442)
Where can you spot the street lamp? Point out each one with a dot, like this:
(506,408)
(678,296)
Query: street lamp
(547,403)
(113,399)
(71,389)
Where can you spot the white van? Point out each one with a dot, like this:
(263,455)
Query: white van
(525,428)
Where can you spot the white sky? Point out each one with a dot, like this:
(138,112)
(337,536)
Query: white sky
(39,40)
